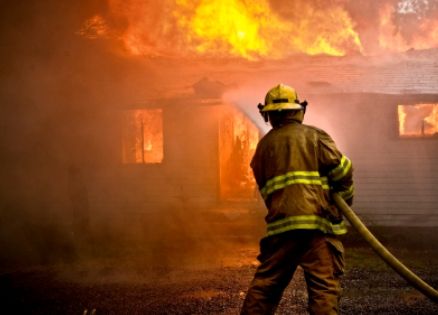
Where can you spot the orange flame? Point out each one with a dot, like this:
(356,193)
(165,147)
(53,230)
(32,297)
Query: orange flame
(238,138)
(418,120)
(229,28)
(256,29)
(251,29)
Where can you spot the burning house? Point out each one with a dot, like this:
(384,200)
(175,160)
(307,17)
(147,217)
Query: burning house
(127,129)
(377,97)
(144,108)
(383,115)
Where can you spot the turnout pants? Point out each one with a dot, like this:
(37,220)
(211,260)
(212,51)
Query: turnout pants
(322,258)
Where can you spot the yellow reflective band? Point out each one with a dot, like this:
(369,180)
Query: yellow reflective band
(306,222)
(289,174)
(291,178)
(325,184)
(347,194)
(341,170)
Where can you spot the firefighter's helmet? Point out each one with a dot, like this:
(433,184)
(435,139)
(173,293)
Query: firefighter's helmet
(282,97)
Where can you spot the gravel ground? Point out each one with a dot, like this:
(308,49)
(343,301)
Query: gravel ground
(206,285)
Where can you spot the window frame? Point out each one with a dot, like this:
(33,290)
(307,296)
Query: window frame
(122,137)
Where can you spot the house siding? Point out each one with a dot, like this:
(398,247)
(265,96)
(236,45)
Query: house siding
(186,180)
(396,179)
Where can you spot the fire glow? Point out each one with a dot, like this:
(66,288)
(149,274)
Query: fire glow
(251,29)
(142,140)
(226,28)
(419,120)
(264,29)
(238,138)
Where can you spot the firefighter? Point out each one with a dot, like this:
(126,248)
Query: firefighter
(296,167)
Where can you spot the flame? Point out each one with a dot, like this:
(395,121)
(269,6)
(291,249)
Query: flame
(401,120)
(418,120)
(238,138)
(142,136)
(227,28)
(148,145)
(264,29)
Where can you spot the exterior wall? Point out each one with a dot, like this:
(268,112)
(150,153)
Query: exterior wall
(186,180)
(396,178)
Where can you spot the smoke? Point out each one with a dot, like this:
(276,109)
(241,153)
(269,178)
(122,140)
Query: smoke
(62,96)
(56,92)
(246,99)
(319,113)
(417,19)
(63,85)
(44,97)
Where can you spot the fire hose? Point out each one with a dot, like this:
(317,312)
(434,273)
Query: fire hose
(387,257)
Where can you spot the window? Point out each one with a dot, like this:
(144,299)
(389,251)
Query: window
(420,120)
(142,137)
(238,138)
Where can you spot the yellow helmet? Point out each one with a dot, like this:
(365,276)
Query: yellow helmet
(282,97)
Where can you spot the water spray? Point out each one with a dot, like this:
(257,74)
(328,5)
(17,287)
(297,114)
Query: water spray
(386,255)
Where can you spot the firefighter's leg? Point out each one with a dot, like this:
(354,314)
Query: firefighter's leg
(323,265)
(271,278)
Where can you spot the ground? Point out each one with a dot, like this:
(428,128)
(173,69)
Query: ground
(212,279)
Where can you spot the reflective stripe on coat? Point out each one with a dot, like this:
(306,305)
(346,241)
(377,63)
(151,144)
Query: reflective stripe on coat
(295,167)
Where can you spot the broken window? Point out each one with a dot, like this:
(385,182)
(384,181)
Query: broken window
(420,120)
(238,138)
(142,138)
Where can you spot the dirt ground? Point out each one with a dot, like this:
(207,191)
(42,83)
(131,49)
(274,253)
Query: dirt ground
(212,278)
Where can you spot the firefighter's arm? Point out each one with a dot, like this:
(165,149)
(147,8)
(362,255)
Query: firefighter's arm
(337,167)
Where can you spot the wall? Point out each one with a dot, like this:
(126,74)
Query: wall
(395,177)
(184,184)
